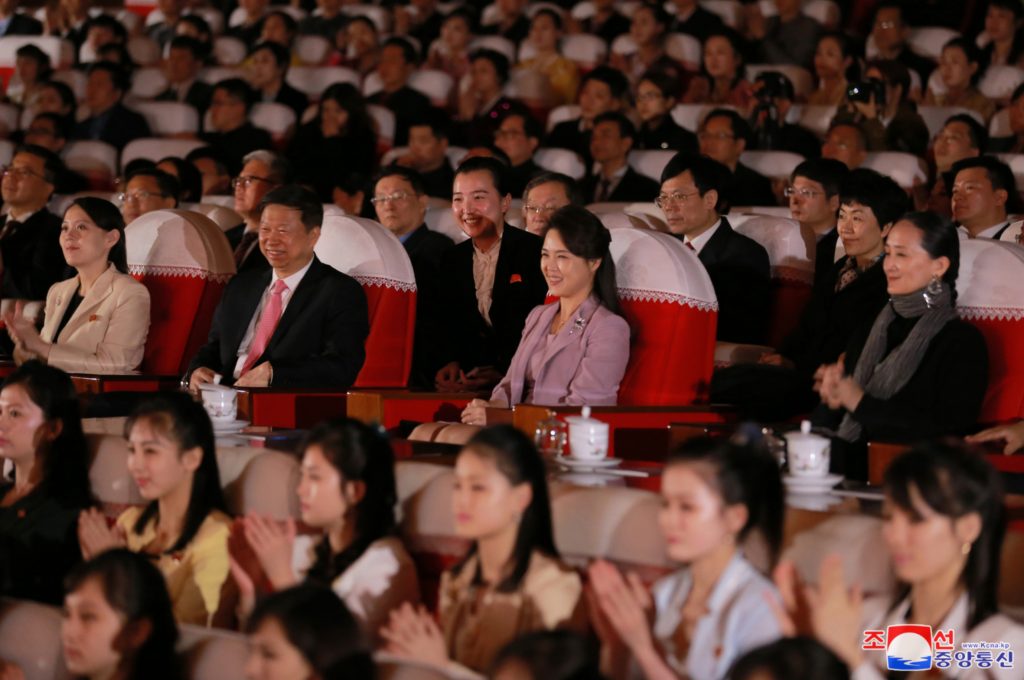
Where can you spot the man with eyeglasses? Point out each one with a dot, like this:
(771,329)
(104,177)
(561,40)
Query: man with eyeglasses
(545,194)
(723,137)
(813,194)
(693,202)
(400,201)
(147,190)
(613,179)
(109,119)
(984,191)
(262,171)
(519,135)
(891,33)
(231,134)
(961,137)
(29,233)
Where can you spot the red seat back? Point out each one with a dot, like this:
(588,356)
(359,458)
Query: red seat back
(991,297)
(375,258)
(185,261)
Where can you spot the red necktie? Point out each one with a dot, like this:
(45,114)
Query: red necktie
(689,244)
(266,325)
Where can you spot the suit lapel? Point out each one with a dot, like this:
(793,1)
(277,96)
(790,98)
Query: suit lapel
(244,309)
(298,302)
(712,250)
(502,269)
(99,292)
(566,336)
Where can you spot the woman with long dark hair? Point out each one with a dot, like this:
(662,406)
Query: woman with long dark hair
(184,527)
(834,64)
(342,129)
(97,321)
(511,582)
(920,372)
(722,79)
(41,438)
(715,495)
(944,522)
(118,621)
(347,493)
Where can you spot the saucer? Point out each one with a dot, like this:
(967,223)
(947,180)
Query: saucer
(228,426)
(587,464)
(815,502)
(810,484)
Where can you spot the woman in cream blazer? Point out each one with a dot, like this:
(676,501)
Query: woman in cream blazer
(96,322)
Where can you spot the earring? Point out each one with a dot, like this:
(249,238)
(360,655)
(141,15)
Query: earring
(932,292)
(965,549)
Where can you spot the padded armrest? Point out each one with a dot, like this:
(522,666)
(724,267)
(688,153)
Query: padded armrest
(97,383)
(390,407)
(729,353)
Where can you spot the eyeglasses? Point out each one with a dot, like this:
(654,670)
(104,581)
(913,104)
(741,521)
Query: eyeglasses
(20,172)
(885,25)
(391,198)
(245,181)
(538,209)
(675,198)
(719,136)
(790,192)
(137,196)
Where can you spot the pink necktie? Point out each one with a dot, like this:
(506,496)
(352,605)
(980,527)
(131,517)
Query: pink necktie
(266,325)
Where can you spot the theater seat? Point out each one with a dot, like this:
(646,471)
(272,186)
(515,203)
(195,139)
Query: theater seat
(929,40)
(223,216)
(147,83)
(990,298)
(443,221)
(95,160)
(816,118)
(690,116)
(373,256)
(497,43)
(312,49)
(211,654)
(277,119)
(650,163)
(935,117)
(904,168)
(384,121)
(560,160)
(313,80)
(560,114)
(772,164)
(1000,81)
(169,118)
(185,261)
(30,638)
(999,126)
(801,78)
(155,148)
(685,49)
(792,270)
(857,539)
(259,480)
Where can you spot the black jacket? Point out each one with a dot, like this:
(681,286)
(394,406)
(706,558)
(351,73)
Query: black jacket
(255,260)
(739,271)
(425,249)
(22,24)
(32,257)
(198,96)
(438,182)
(233,146)
(825,256)
(406,103)
(749,187)
(614,26)
(520,175)
(293,99)
(631,188)
(116,126)
(519,286)
(700,24)
(318,341)
(667,136)
(568,135)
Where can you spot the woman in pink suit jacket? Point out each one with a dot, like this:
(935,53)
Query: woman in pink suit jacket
(96,322)
(573,351)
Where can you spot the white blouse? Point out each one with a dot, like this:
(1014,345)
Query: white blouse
(739,618)
(381,579)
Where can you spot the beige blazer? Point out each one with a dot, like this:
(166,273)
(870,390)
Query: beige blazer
(107,333)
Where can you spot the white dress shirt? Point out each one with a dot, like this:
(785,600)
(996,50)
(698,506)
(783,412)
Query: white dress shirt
(987,233)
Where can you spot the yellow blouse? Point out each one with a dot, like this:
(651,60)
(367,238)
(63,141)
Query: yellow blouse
(562,75)
(196,575)
(479,621)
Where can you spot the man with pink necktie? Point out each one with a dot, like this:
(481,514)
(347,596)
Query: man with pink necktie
(300,324)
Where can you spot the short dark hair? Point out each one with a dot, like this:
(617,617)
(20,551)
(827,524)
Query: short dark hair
(290,24)
(531,126)
(190,180)
(1012,5)
(411,176)
(666,83)
(862,136)
(498,60)
(208,152)
(497,170)
(881,194)
(999,174)
(612,77)
(796,657)
(53,166)
(889,4)
(109,22)
(237,89)
(707,174)
(738,124)
(61,124)
(107,217)
(281,55)
(976,131)
(41,58)
(409,53)
(572,189)
(166,182)
(827,172)
(200,24)
(194,47)
(298,198)
(64,91)
(625,125)
(434,118)
(118,75)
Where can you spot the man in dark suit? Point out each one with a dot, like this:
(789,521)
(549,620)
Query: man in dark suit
(267,66)
(110,121)
(428,152)
(30,234)
(607,23)
(231,133)
(983,194)
(813,194)
(489,282)
(693,19)
(300,324)
(12,23)
(603,89)
(692,201)
(723,136)
(262,172)
(181,67)
(519,135)
(512,22)
(610,143)
(398,60)
(543,195)
(400,201)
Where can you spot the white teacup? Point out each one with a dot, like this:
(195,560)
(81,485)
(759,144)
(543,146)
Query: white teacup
(220,402)
(588,437)
(808,454)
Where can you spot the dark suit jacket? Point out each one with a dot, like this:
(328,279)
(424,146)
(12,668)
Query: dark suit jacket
(232,146)
(255,260)
(22,24)
(517,32)
(32,258)
(438,182)
(567,135)
(116,126)
(198,96)
(749,187)
(825,256)
(699,24)
(632,187)
(739,271)
(425,249)
(406,103)
(612,28)
(318,341)
(293,99)
(479,130)
(519,286)
(668,136)
(519,176)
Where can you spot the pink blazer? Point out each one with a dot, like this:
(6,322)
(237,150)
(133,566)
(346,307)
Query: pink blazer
(583,364)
